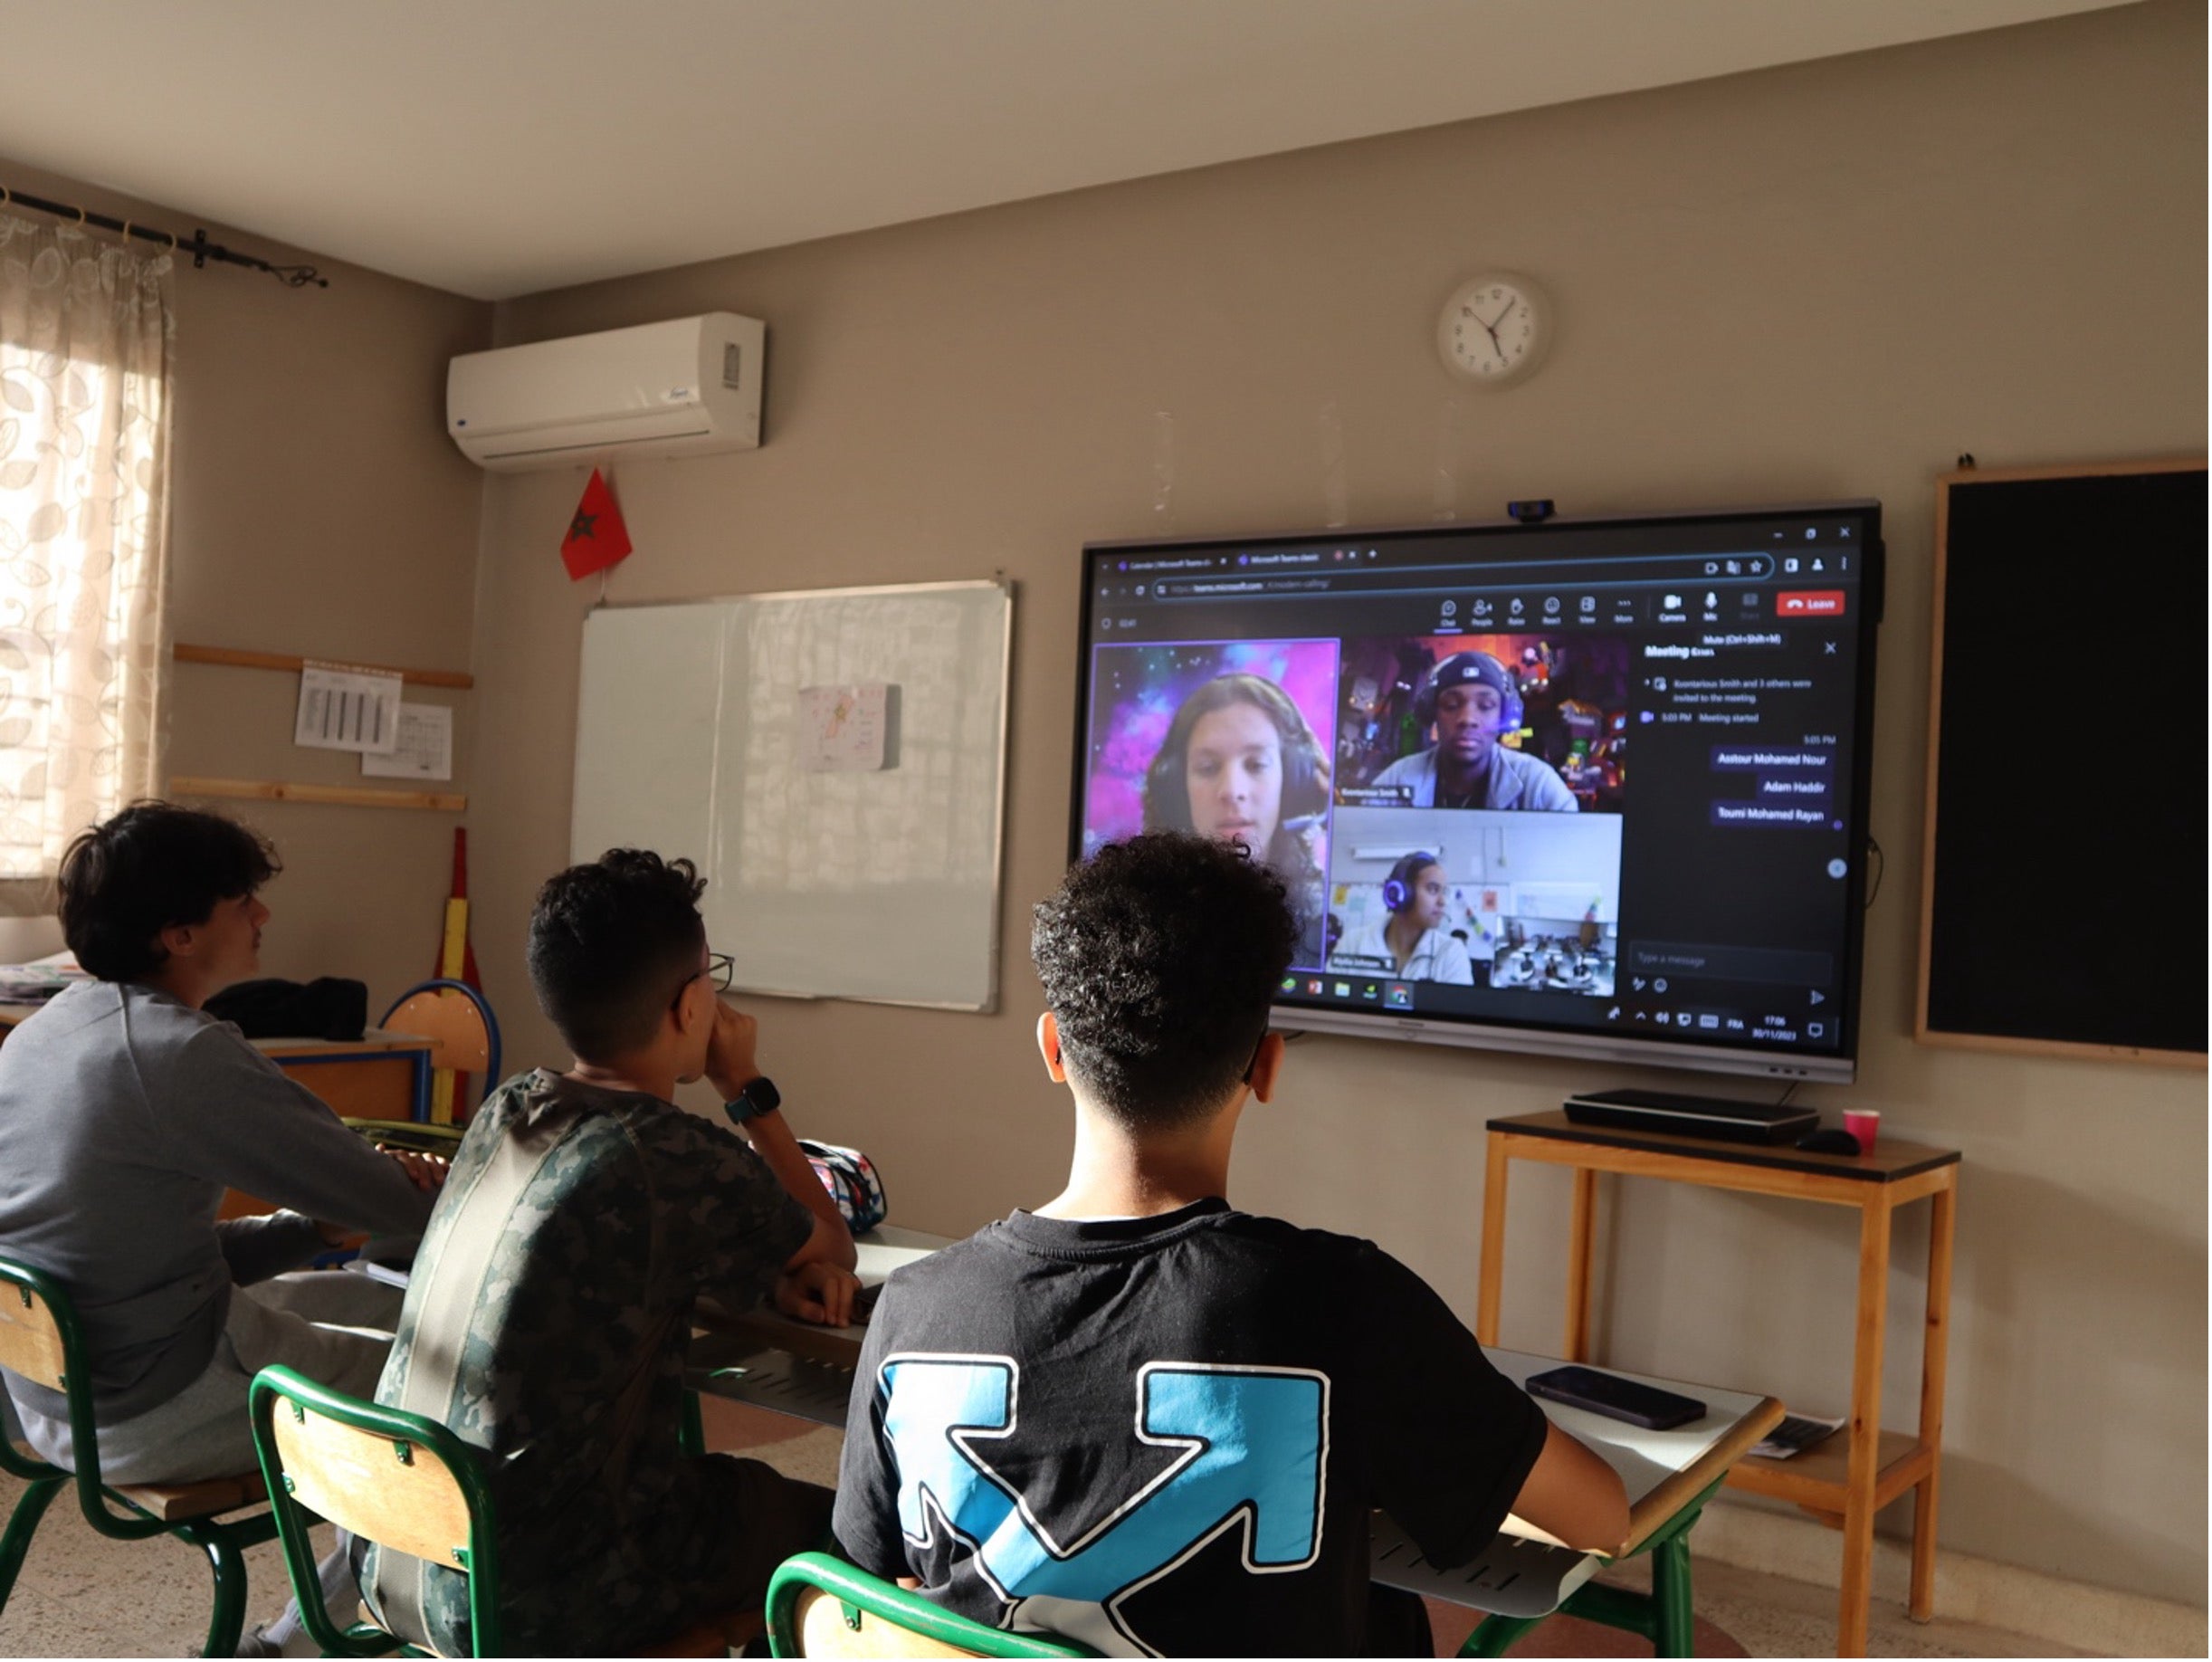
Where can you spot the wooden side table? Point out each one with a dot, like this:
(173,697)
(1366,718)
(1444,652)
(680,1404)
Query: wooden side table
(1873,1468)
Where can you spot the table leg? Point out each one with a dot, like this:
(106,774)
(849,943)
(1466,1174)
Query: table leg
(1677,1629)
(1865,1427)
(1493,1635)
(1579,1238)
(1494,1244)
(421,1087)
(1942,1220)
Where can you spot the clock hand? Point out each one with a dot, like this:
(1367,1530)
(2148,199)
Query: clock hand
(1492,325)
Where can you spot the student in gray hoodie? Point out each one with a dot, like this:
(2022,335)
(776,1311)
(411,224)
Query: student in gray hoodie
(125,1112)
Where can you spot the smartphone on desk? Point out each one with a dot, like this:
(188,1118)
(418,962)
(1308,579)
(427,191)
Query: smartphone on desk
(1616,1397)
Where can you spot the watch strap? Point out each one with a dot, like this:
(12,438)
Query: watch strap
(758,1096)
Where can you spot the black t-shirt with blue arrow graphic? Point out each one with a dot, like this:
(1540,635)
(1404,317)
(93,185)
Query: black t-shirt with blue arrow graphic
(1164,1436)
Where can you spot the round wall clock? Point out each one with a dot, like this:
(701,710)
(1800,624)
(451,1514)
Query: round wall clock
(1495,329)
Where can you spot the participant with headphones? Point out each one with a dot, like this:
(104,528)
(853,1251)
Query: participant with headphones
(1471,700)
(1241,764)
(1410,943)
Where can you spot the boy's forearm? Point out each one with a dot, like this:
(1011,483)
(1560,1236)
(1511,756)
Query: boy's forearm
(774,1140)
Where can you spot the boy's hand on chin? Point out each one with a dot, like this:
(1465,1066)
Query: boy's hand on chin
(731,1059)
(819,1293)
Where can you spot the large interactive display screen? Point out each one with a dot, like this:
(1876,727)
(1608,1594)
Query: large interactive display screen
(1429,734)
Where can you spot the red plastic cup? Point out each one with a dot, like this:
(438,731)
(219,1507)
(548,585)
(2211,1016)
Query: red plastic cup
(1864,1124)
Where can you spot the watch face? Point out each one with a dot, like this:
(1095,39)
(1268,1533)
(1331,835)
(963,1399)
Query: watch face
(1493,330)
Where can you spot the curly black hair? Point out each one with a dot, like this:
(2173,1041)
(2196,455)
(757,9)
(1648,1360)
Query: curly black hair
(151,867)
(1158,957)
(613,944)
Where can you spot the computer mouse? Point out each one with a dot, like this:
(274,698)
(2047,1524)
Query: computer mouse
(1829,1141)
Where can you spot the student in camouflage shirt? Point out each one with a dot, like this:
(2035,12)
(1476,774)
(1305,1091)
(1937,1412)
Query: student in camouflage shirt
(550,1306)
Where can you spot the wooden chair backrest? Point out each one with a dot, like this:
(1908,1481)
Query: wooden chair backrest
(30,1340)
(823,1632)
(442,1014)
(358,1481)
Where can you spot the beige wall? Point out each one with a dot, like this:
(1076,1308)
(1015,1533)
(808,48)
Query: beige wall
(1823,281)
(318,509)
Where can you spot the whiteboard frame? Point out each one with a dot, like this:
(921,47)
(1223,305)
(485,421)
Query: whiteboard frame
(1005,585)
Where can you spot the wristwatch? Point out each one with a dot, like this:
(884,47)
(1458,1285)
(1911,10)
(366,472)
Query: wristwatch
(760,1097)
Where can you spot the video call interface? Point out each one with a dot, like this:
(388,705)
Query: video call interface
(1428,736)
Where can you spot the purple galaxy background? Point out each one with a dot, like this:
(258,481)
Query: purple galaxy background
(1135,691)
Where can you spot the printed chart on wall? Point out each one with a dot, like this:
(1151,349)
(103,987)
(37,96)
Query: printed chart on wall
(834,762)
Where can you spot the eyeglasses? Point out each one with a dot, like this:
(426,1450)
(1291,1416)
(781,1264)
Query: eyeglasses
(721,970)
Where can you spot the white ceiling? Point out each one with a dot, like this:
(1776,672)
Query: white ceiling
(495,147)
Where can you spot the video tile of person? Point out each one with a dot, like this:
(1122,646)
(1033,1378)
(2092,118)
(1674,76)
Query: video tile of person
(1504,722)
(1477,898)
(1231,740)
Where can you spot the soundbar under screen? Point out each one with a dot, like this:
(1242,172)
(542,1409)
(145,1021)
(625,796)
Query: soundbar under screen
(1595,786)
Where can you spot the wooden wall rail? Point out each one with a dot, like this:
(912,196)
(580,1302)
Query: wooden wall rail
(341,795)
(238,658)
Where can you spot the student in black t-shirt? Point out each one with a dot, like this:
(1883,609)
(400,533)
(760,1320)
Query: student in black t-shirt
(1137,1417)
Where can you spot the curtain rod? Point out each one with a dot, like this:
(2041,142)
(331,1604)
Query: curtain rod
(201,249)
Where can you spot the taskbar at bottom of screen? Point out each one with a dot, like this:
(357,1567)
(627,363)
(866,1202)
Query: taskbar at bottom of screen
(1594,1008)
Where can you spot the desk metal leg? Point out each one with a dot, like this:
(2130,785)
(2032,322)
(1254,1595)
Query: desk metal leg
(1494,1244)
(1671,1593)
(1580,1234)
(1493,1635)
(421,1087)
(1943,1219)
(1865,1427)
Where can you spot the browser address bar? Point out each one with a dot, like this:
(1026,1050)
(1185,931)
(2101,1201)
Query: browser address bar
(1462,580)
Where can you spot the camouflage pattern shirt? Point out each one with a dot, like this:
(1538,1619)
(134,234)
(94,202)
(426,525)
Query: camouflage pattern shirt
(546,1322)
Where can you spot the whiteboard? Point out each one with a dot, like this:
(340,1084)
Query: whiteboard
(825,878)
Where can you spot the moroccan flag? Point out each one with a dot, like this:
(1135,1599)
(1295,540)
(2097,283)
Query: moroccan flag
(595,537)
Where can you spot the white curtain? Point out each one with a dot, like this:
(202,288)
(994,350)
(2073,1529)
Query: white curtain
(85,332)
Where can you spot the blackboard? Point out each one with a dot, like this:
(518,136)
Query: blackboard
(2064,889)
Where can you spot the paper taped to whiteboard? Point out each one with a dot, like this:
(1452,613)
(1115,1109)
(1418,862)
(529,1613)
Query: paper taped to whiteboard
(841,729)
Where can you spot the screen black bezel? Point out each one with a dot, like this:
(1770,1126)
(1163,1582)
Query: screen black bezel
(1526,1034)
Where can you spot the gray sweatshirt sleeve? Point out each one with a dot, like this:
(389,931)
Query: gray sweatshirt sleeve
(255,1248)
(234,1116)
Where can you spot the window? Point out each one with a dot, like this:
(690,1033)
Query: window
(84,340)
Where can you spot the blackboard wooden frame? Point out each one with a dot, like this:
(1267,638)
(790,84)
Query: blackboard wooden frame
(1922,1029)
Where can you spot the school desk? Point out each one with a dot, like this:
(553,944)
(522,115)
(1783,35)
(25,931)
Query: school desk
(769,1361)
(1847,1479)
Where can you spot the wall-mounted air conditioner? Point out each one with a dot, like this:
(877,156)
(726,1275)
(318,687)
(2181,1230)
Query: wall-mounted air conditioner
(677,388)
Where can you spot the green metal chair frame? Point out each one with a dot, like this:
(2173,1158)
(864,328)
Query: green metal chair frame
(1662,1616)
(857,1593)
(279,1388)
(282,1390)
(224,1541)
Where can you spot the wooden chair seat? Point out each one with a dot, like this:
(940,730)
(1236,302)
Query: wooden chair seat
(174,1503)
